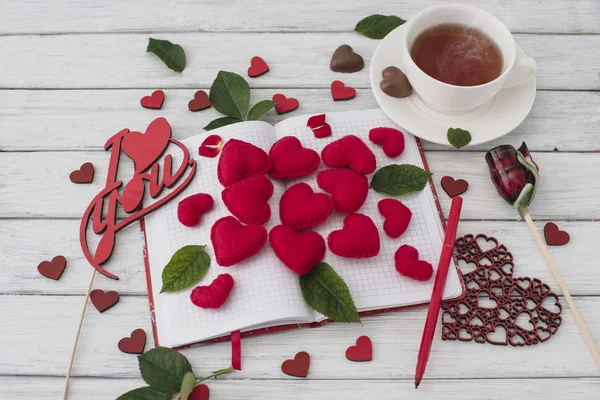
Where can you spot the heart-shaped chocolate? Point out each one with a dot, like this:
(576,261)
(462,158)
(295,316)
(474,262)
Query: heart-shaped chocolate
(344,59)
(395,83)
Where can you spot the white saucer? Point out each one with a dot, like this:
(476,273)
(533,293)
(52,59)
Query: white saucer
(490,121)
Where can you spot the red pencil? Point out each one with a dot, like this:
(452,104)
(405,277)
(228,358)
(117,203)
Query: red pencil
(438,289)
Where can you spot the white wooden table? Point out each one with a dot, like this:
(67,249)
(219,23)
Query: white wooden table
(71,75)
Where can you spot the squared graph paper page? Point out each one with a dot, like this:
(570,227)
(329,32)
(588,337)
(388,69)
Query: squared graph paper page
(374,282)
(265,293)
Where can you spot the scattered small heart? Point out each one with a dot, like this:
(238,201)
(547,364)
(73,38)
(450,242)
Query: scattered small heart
(258,67)
(409,265)
(362,351)
(397,217)
(317,124)
(454,187)
(135,343)
(344,59)
(298,366)
(190,209)
(85,173)
(213,295)
(211,146)
(285,104)
(154,101)
(554,236)
(339,91)
(103,300)
(391,140)
(395,83)
(199,102)
(53,269)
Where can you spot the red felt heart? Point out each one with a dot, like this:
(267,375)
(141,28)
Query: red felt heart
(233,242)
(241,160)
(145,149)
(318,126)
(397,217)
(200,392)
(349,189)
(85,174)
(258,66)
(248,199)
(363,351)
(300,252)
(211,146)
(154,101)
(339,91)
(358,238)
(301,208)
(213,295)
(285,104)
(53,269)
(290,160)
(454,187)
(190,209)
(298,366)
(408,264)
(199,102)
(391,140)
(349,151)
(103,300)
(554,236)
(135,343)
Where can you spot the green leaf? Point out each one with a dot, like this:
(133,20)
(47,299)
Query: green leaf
(187,266)
(458,137)
(164,369)
(326,292)
(230,95)
(397,179)
(377,26)
(189,381)
(260,108)
(220,122)
(145,393)
(171,54)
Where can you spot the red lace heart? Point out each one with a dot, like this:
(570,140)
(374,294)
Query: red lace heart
(301,208)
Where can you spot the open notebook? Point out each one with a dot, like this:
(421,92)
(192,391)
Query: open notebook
(266,293)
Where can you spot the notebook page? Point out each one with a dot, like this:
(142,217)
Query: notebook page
(264,290)
(374,282)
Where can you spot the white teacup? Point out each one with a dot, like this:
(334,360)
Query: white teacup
(451,99)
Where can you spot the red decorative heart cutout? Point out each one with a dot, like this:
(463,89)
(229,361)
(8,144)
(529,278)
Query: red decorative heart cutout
(408,264)
(240,160)
(554,236)
(454,187)
(363,351)
(258,67)
(233,242)
(301,208)
(358,238)
(199,102)
(154,101)
(300,252)
(135,343)
(190,209)
(397,217)
(349,151)
(85,174)
(213,295)
(391,140)
(285,104)
(145,149)
(53,269)
(103,300)
(290,160)
(298,366)
(349,189)
(200,392)
(318,126)
(339,91)
(211,146)
(248,199)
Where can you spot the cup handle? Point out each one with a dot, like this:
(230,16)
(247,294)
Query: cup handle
(523,70)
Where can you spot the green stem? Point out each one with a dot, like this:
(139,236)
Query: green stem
(215,374)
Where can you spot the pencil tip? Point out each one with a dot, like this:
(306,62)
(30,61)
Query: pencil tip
(417,383)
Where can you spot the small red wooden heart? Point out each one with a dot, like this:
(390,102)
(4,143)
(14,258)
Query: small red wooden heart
(103,300)
(285,104)
(53,269)
(339,91)
(363,351)
(154,101)
(454,187)
(258,67)
(135,343)
(200,392)
(554,236)
(85,173)
(298,366)
(199,102)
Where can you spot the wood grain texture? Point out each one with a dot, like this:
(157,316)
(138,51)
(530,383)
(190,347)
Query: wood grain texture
(85,119)
(121,61)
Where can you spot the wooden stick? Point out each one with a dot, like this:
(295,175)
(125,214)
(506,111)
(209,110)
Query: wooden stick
(580,323)
(85,303)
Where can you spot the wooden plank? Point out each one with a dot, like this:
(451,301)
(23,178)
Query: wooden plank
(266,15)
(39,186)
(576,261)
(460,389)
(85,119)
(296,60)
(46,327)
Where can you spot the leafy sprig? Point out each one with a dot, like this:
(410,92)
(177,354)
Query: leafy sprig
(397,180)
